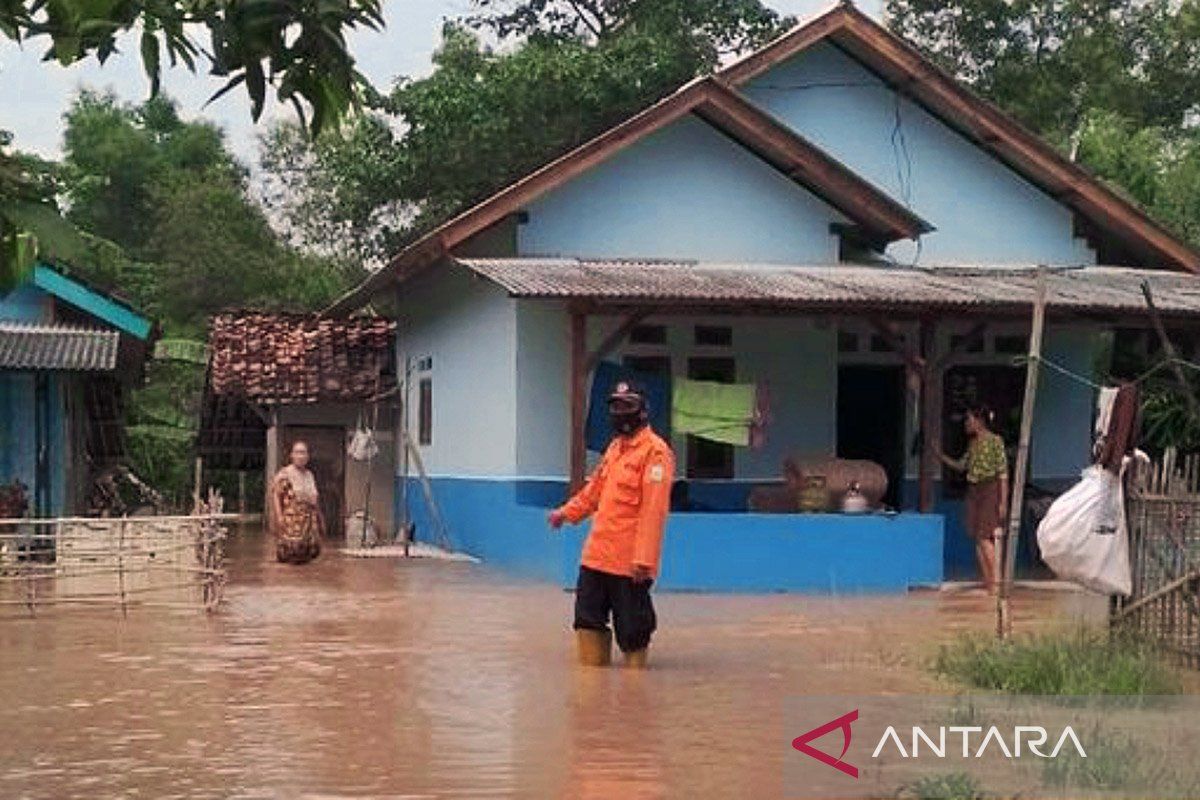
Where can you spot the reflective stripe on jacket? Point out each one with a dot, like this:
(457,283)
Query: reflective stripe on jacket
(630,494)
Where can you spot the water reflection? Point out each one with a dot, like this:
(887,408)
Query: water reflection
(378,678)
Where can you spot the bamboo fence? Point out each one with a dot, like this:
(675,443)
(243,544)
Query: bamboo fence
(1164,530)
(152,561)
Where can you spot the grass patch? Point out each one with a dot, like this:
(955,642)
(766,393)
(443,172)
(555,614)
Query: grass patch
(950,786)
(1084,662)
(1115,762)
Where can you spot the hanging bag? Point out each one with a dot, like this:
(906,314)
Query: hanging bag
(363,446)
(1084,537)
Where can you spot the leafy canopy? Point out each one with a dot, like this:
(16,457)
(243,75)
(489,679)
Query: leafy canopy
(1053,62)
(297,48)
(433,146)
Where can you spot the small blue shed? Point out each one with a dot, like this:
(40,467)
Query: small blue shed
(832,217)
(68,354)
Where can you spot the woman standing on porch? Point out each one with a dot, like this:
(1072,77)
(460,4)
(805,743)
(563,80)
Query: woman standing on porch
(296,521)
(986,466)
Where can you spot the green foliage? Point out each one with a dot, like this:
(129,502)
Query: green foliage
(1113,761)
(21,196)
(1159,166)
(173,199)
(297,49)
(1053,63)
(1085,662)
(722,26)
(170,222)
(432,147)
(949,786)
(1167,419)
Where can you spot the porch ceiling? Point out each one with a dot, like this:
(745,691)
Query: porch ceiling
(842,287)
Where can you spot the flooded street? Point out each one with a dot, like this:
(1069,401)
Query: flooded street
(390,678)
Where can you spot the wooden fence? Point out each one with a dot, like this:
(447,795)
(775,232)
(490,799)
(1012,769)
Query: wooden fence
(162,561)
(1164,531)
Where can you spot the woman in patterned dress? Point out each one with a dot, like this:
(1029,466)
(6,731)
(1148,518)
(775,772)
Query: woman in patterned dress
(296,521)
(986,466)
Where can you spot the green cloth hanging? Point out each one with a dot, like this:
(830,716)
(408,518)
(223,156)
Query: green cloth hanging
(719,412)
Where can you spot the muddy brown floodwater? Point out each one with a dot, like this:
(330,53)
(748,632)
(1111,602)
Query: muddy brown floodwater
(391,678)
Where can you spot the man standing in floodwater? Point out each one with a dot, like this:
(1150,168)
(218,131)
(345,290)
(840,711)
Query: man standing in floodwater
(630,495)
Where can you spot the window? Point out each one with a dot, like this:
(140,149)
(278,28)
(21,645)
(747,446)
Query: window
(1012,345)
(714,335)
(847,342)
(958,343)
(655,365)
(882,344)
(648,334)
(425,411)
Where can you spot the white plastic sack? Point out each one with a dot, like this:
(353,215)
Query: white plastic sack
(363,446)
(1083,536)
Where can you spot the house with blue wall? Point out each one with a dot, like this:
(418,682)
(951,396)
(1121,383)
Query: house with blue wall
(833,218)
(69,353)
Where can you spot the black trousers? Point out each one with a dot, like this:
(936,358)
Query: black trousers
(599,594)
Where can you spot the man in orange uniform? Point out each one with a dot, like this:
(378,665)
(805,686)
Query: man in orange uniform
(630,494)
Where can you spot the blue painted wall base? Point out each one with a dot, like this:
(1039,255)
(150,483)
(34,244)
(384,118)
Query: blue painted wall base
(503,522)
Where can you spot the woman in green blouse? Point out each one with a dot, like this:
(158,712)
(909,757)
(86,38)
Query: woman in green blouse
(986,466)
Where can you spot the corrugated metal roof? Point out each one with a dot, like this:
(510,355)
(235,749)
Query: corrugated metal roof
(1080,289)
(57,347)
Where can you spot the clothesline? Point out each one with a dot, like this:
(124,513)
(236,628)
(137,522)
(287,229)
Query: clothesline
(1075,376)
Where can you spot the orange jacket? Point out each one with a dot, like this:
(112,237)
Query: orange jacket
(630,495)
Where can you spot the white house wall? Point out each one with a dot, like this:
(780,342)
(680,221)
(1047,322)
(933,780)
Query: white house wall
(467,327)
(983,211)
(686,191)
(543,413)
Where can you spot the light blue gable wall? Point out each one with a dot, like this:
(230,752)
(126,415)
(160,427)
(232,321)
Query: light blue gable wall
(468,327)
(983,211)
(686,191)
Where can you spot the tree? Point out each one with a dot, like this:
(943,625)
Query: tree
(175,201)
(1114,83)
(484,118)
(723,26)
(20,196)
(163,212)
(1053,62)
(295,47)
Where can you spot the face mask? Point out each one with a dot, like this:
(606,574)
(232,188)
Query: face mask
(626,422)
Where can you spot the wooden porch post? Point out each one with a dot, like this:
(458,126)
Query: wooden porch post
(577,446)
(931,415)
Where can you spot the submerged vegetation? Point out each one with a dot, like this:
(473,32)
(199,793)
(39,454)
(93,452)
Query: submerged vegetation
(1081,662)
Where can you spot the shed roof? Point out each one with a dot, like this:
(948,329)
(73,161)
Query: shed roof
(298,358)
(99,303)
(1084,290)
(26,346)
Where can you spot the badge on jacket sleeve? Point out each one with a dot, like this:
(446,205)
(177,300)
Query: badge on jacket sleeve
(656,473)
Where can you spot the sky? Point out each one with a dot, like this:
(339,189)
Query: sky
(34,94)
